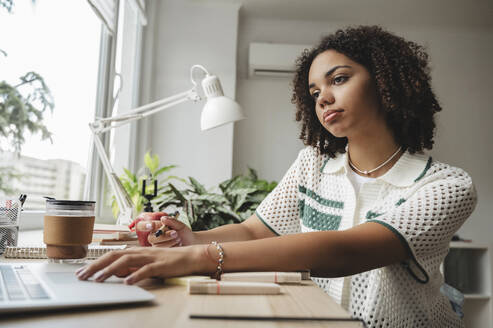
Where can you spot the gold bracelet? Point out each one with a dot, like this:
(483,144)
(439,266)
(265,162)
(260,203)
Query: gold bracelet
(220,261)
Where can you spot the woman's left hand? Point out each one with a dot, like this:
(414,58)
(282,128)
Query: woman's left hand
(145,262)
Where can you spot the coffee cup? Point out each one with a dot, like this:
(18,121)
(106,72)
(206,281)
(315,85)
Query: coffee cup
(68,228)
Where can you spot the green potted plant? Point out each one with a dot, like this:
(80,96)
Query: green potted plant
(233,202)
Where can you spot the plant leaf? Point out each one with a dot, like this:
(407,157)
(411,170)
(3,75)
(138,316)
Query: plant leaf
(130,175)
(227,211)
(173,177)
(272,185)
(225,185)
(184,218)
(151,162)
(213,198)
(115,210)
(252,174)
(163,169)
(178,194)
(199,189)
(242,191)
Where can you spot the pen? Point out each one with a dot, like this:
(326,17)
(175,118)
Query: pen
(161,230)
(22,199)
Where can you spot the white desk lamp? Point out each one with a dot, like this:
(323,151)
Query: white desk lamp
(217,111)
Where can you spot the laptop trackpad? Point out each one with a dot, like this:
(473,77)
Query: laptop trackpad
(70,278)
(62,277)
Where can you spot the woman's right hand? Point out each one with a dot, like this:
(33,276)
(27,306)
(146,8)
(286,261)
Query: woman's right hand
(139,263)
(176,233)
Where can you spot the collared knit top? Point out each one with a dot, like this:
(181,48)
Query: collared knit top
(422,201)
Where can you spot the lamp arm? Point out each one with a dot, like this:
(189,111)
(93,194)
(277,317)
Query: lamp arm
(122,198)
(102,125)
(137,117)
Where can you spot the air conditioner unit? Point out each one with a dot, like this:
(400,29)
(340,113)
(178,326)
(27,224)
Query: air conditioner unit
(273,60)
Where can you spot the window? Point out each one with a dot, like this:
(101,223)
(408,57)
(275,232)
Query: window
(59,40)
(79,58)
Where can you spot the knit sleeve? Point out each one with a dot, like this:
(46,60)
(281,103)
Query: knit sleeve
(427,220)
(279,210)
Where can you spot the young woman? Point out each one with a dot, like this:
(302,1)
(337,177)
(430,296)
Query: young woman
(359,208)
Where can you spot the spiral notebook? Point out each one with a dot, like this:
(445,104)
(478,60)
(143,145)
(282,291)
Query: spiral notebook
(39,252)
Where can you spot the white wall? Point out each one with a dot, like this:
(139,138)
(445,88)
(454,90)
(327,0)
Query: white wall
(461,72)
(184,34)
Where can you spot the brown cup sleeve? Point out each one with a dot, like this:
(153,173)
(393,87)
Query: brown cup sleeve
(65,230)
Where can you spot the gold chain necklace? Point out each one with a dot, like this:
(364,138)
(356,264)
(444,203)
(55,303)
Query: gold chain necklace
(373,170)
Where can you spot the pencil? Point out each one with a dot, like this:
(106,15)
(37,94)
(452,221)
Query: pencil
(163,228)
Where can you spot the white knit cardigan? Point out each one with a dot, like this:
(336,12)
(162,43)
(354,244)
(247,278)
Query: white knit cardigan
(422,201)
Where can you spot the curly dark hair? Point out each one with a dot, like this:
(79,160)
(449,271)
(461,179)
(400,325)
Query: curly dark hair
(400,71)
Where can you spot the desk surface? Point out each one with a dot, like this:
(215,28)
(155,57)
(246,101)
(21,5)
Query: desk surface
(173,306)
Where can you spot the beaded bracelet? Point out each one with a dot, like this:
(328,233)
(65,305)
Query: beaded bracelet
(220,261)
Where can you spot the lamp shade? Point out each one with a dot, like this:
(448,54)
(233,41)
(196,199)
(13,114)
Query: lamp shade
(219,111)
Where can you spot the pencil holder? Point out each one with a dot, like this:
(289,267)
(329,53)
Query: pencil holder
(10,211)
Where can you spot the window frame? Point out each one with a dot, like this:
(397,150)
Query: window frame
(124,140)
(95,178)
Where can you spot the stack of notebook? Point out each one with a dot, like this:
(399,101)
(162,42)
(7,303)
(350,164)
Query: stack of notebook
(110,234)
(241,283)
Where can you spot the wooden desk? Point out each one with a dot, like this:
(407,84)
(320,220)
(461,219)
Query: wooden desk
(173,306)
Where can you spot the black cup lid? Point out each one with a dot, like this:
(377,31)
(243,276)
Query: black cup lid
(70,202)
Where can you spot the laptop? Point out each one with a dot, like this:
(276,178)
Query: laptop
(46,286)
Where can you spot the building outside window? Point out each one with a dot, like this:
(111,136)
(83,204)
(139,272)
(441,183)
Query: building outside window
(58,178)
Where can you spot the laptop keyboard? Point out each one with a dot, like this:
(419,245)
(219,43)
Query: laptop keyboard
(16,276)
